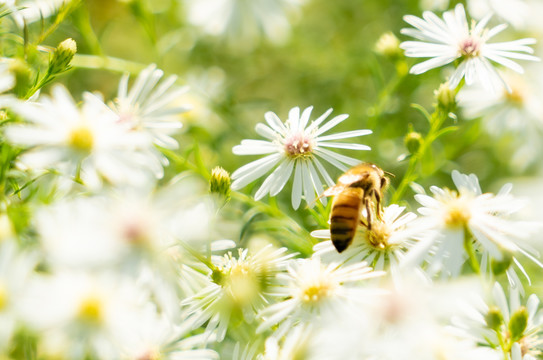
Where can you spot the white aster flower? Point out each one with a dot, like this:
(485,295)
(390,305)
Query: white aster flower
(29,11)
(517,114)
(151,106)
(84,315)
(310,288)
(243,22)
(456,216)
(237,286)
(88,143)
(515,327)
(406,323)
(158,337)
(15,274)
(382,247)
(514,12)
(447,40)
(296,147)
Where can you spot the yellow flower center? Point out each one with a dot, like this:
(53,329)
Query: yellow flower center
(81,139)
(378,235)
(150,355)
(470,47)
(298,146)
(316,292)
(457,213)
(91,310)
(3,296)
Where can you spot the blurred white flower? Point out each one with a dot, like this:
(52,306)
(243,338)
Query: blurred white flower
(237,287)
(447,40)
(151,106)
(158,337)
(514,327)
(310,288)
(16,269)
(296,147)
(84,315)
(456,216)
(29,11)
(126,230)
(242,22)
(517,114)
(87,143)
(382,247)
(406,323)
(514,12)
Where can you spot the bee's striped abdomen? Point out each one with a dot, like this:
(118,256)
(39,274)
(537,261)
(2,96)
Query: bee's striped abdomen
(344,217)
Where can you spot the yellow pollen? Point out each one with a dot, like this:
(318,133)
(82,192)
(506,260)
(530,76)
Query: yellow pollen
(81,139)
(378,235)
(91,310)
(314,293)
(457,213)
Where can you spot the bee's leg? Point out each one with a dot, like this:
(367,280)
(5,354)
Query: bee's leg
(368,214)
(377,204)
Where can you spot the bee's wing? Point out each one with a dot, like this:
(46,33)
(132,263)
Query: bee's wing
(332,191)
(349,178)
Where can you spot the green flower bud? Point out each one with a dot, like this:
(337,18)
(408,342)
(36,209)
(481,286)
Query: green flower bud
(21,71)
(446,98)
(63,55)
(412,140)
(499,266)
(518,323)
(388,45)
(494,318)
(220,182)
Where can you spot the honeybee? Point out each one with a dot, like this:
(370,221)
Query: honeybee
(360,188)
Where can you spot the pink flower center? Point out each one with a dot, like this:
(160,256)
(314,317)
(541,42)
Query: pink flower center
(470,47)
(298,145)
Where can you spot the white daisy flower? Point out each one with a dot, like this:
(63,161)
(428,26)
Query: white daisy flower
(243,23)
(310,288)
(382,247)
(158,337)
(295,147)
(88,313)
(447,40)
(511,325)
(517,114)
(16,270)
(29,11)
(406,323)
(88,143)
(151,107)
(458,215)
(236,286)
(514,12)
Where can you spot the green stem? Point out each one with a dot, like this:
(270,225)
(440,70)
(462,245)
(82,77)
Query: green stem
(468,246)
(436,121)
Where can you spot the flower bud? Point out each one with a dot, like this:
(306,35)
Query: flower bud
(388,45)
(220,182)
(21,71)
(499,266)
(412,140)
(446,98)
(494,318)
(518,323)
(63,55)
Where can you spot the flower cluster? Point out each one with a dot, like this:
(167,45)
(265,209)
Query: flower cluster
(131,227)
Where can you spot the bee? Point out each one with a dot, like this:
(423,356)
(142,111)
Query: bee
(360,188)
